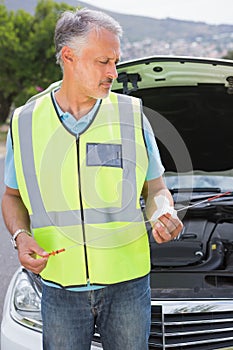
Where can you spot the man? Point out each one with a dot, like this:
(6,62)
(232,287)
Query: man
(81,158)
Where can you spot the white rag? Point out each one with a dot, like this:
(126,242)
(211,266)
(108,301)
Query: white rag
(163,207)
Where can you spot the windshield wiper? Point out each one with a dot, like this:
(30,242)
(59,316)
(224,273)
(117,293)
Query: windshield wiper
(195,190)
(187,195)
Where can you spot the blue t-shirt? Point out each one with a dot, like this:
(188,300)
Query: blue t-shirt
(155,167)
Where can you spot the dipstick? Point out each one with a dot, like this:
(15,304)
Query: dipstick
(55,252)
(205,200)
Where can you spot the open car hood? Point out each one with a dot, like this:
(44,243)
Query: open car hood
(194,96)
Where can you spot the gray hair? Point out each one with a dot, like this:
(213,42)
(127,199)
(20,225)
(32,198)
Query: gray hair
(73,28)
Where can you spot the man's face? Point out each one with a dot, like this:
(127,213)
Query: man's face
(95,67)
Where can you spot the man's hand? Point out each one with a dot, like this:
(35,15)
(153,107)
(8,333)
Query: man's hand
(27,251)
(16,215)
(166,228)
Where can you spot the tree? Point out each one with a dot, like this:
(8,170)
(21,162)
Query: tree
(8,44)
(27,53)
(229,55)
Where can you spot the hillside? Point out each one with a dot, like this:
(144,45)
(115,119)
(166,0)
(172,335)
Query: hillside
(159,36)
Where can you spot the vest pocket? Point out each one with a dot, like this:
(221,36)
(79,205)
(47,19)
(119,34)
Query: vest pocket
(102,154)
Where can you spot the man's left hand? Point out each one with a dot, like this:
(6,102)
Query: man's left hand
(166,228)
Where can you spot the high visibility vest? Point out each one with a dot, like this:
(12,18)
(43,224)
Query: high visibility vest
(84,194)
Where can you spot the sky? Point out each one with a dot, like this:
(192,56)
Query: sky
(209,11)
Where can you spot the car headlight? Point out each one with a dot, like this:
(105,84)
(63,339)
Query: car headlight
(26,302)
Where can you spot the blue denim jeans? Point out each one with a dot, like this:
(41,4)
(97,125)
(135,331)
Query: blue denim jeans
(121,313)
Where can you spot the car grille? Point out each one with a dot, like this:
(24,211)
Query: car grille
(191,325)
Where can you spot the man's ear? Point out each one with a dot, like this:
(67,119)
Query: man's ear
(67,55)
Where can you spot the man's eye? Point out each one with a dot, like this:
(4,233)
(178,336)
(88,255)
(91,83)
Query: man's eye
(103,62)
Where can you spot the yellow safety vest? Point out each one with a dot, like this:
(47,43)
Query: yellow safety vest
(84,194)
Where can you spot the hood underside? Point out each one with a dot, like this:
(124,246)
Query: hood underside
(195,96)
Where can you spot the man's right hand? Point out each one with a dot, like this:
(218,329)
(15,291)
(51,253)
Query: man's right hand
(15,215)
(28,249)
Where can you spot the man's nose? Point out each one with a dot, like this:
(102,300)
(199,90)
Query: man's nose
(112,72)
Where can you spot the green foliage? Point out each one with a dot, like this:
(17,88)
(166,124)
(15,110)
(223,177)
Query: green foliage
(229,55)
(27,53)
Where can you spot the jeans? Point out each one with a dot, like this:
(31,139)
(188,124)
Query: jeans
(121,313)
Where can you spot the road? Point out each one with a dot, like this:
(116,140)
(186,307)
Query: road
(8,256)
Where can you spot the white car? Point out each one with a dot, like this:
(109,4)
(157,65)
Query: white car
(189,102)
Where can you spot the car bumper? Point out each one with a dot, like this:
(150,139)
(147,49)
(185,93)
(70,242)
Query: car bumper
(16,337)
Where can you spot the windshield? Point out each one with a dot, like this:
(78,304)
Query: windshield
(202,180)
